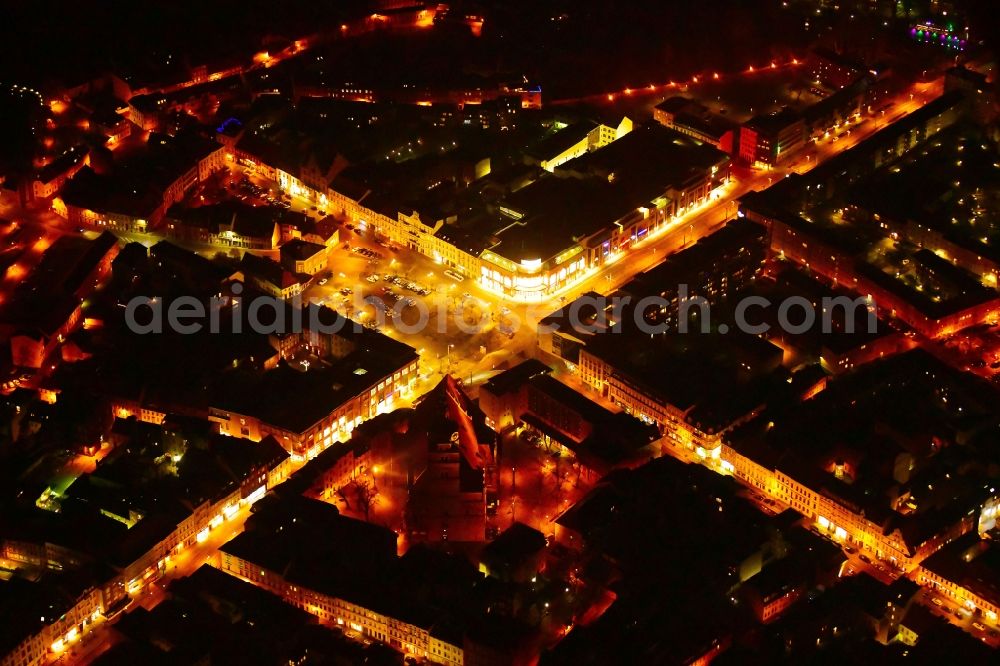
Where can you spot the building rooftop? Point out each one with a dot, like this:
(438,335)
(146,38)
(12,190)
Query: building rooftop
(43,300)
(848,160)
(30,605)
(705,124)
(970,562)
(710,253)
(773,123)
(270,271)
(559,142)
(300,250)
(951,188)
(711,377)
(676,104)
(648,160)
(514,378)
(840,99)
(514,545)
(590,193)
(852,458)
(310,542)
(135,184)
(68,159)
(553,214)
(255,222)
(295,400)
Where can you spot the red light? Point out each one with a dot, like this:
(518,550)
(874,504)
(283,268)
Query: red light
(628,91)
(751,68)
(715,76)
(794,61)
(694,79)
(773,66)
(610,97)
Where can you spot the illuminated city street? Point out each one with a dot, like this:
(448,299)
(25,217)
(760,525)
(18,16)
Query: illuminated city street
(479,334)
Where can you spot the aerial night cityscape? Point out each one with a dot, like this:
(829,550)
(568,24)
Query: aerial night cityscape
(500,332)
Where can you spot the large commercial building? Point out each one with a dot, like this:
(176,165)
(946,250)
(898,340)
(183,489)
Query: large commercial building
(556,230)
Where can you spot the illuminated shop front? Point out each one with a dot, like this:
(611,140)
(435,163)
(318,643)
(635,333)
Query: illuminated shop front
(531,280)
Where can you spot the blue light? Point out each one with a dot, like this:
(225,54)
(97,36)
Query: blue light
(226,123)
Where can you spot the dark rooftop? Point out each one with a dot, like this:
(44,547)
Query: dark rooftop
(299,250)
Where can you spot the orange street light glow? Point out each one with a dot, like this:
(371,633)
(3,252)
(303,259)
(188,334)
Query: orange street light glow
(16,272)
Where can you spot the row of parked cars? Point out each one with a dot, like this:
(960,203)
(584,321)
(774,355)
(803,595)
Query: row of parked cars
(246,188)
(365,252)
(393,297)
(409,285)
